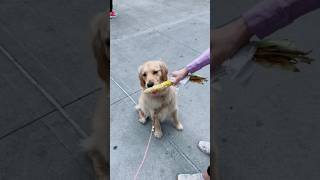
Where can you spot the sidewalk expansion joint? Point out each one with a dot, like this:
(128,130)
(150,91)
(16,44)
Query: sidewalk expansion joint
(49,97)
(26,124)
(81,97)
(133,93)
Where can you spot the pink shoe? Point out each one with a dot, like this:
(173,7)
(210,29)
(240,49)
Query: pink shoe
(112,14)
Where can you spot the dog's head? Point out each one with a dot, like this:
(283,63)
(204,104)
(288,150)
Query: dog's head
(152,73)
(101,44)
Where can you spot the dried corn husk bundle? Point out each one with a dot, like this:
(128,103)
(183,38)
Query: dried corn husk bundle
(197,79)
(280,53)
(159,87)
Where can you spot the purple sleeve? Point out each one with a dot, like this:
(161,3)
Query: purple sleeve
(271,15)
(199,62)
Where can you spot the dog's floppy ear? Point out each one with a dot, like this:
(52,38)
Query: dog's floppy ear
(100,44)
(164,71)
(142,82)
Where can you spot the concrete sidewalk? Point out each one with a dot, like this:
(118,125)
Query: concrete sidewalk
(47,79)
(177,32)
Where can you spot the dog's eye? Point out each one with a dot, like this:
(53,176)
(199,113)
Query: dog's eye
(144,74)
(155,72)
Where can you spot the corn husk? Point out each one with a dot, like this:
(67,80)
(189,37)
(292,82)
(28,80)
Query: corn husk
(280,54)
(197,79)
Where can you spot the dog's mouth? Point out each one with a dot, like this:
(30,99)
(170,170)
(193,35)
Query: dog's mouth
(156,93)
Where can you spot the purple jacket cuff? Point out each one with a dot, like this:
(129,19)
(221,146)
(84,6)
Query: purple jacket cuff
(199,62)
(271,15)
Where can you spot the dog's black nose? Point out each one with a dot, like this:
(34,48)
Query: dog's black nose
(150,84)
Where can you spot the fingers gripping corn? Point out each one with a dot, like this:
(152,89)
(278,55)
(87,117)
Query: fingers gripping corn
(159,87)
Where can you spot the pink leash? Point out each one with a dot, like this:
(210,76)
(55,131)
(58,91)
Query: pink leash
(145,154)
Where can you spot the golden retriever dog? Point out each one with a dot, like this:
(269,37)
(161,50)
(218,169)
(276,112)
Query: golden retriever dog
(96,143)
(159,106)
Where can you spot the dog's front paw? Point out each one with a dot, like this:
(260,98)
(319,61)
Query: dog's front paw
(137,108)
(158,134)
(142,120)
(179,126)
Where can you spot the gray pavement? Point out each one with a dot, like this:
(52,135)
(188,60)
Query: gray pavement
(177,32)
(270,129)
(47,79)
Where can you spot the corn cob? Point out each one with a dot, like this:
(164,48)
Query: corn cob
(159,87)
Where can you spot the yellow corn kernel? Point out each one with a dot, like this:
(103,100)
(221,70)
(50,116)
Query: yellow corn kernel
(159,87)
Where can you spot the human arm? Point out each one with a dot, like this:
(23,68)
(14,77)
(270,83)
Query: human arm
(270,15)
(195,65)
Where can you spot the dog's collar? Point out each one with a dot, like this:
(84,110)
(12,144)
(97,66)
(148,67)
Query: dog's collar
(155,94)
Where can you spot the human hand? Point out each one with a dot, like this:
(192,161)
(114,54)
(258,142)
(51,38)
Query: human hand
(228,39)
(177,76)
